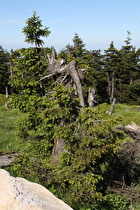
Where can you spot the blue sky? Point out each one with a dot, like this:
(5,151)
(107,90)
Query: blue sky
(97,22)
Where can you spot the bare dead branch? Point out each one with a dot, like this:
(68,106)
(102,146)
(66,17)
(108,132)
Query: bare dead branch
(47,76)
(59,66)
(132,130)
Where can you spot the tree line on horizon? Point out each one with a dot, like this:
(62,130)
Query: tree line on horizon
(115,73)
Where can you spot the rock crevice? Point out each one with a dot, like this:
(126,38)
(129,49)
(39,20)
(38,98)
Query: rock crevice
(18,193)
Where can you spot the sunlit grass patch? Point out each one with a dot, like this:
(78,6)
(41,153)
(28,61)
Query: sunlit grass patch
(127,112)
(8,138)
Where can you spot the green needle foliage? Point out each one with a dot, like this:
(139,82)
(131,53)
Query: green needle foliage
(33,31)
(89,147)
(90,143)
(4,69)
(79,176)
(79,173)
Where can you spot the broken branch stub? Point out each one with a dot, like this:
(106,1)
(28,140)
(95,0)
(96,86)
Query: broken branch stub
(91,97)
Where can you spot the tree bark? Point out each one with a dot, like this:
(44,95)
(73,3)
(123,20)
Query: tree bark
(74,75)
(6,92)
(58,148)
(62,70)
(60,67)
(111,86)
(112,106)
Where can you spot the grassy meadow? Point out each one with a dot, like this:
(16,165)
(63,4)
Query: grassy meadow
(8,119)
(128,113)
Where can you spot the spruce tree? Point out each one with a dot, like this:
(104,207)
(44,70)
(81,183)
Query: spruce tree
(33,31)
(111,68)
(128,70)
(4,70)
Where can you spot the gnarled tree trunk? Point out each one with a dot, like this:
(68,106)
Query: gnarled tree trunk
(63,70)
(59,67)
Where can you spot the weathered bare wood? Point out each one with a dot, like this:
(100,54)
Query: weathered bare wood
(47,76)
(63,79)
(54,64)
(132,130)
(112,106)
(7,105)
(49,93)
(59,67)
(111,86)
(6,92)
(81,73)
(58,148)
(76,79)
(68,75)
(91,97)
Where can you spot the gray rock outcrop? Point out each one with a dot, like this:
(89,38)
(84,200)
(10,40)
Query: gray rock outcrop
(7,158)
(20,194)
